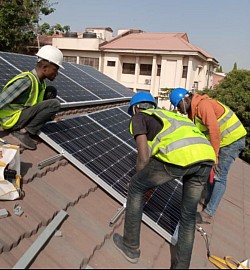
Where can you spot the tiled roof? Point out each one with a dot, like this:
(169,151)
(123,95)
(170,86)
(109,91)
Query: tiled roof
(86,234)
(153,41)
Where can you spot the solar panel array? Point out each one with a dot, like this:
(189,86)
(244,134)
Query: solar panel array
(101,146)
(99,143)
(77,85)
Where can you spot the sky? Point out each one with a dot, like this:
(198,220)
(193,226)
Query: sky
(219,27)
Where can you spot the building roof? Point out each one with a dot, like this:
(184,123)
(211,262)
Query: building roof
(147,41)
(86,237)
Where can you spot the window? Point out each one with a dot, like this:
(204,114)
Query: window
(184,71)
(158,70)
(89,61)
(195,86)
(128,68)
(71,59)
(111,64)
(145,69)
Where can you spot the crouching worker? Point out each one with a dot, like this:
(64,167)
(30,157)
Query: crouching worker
(169,146)
(24,108)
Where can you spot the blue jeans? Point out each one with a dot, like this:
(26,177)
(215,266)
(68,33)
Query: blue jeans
(157,173)
(227,156)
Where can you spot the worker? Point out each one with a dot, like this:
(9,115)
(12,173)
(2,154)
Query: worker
(226,134)
(24,103)
(167,146)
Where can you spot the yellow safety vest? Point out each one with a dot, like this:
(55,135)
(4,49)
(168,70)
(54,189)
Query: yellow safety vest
(231,129)
(179,142)
(10,113)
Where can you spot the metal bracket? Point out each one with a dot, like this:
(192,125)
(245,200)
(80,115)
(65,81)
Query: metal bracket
(117,215)
(50,160)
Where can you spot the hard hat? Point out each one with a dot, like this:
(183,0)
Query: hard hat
(51,54)
(177,95)
(141,97)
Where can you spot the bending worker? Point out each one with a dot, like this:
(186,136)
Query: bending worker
(226,134)
(167,145)
(23,110)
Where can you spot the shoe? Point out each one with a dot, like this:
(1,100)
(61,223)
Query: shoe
(24,139)
(203,218)
(132,255)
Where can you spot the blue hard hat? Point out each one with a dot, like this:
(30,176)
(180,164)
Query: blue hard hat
(141,97)
(177,95)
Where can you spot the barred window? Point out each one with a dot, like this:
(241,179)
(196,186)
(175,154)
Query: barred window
(128,68)
(89,61)
(111,63)
(184,71)
(71,59)
(145,69)
(158,70)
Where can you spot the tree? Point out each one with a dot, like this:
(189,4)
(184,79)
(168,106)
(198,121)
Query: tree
(235,67)
(219,69)
(18,22)
(234,91)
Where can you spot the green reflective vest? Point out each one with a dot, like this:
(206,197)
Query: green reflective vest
(179,142)
(231,129)
(10,113)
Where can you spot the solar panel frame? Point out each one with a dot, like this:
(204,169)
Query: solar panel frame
(118,190)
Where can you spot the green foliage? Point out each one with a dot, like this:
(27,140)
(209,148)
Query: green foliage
(164,93)
(18,22)
(219,69)
(46,29)
(235,67)
(234,91)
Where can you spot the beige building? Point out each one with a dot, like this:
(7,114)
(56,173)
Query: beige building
(140,60)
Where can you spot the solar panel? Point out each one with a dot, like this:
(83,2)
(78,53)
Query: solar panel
(7,72)
(101,146)
(77,85)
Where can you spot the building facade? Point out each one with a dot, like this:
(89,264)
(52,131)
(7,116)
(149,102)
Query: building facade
(142,61)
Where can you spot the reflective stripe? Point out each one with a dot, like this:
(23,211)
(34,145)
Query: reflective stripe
(174,126)
(179,142)
(11,113)
(227,116)
(228,123)
(230,129)
(183,143)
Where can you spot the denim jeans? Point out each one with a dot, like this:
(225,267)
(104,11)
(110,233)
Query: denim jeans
(157,173)
(34,117)
(227,156)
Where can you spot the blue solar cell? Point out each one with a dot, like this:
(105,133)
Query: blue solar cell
(101,142)
(7,72)
(105,80)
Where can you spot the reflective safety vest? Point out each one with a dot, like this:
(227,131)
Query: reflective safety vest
(179,142)
(231,129)
(10,113)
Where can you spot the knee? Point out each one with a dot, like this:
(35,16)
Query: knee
(53,103)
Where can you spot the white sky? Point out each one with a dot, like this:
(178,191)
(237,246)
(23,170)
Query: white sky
(220,27)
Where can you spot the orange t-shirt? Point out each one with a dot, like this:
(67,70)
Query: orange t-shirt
(209,111)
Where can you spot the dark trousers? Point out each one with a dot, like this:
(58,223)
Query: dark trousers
(157,173)
(34,117)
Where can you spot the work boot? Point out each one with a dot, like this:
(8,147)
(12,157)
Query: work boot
(132,255)
(24,139)
(203,218)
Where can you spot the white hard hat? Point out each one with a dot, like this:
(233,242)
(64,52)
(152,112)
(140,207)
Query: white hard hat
(51,54)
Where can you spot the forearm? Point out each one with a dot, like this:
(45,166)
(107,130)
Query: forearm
(141,164)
